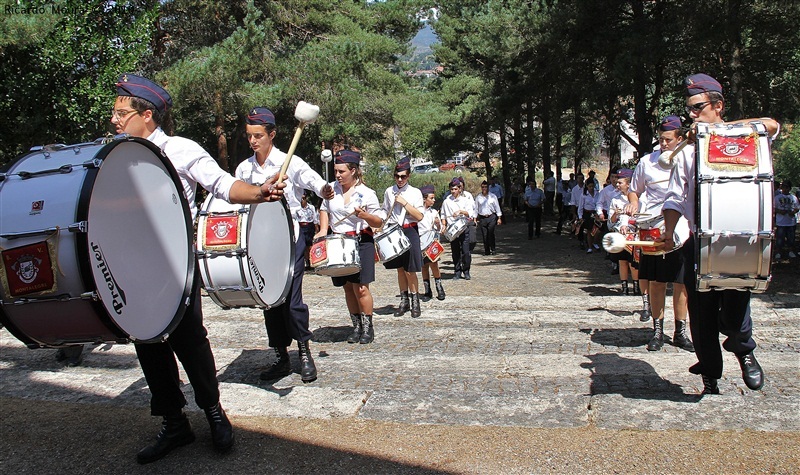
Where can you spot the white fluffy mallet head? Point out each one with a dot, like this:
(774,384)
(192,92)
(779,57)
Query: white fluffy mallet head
(614,242)
(306,112)
(668,160)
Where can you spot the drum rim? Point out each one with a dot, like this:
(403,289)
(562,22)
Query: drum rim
(82,240)
(292,252)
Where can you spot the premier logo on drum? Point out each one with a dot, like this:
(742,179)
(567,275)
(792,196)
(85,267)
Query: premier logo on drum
(118,300)
(256,273)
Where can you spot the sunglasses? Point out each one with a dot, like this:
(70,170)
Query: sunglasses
(400,177)
(697,107)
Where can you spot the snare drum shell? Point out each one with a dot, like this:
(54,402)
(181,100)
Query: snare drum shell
(260,274)
(343,256)
(734,215)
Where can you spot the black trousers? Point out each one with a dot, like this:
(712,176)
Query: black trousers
(289,320)
(189,342)
(714,312)
(534,218)
(462,259)
(487,225)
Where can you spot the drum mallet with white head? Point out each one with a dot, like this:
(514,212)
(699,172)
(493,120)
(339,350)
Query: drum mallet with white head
(307,114)
(669,159)
(616,242)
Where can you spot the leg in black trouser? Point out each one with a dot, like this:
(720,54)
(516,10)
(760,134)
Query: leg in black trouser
(563,216)
(190,344)
(289,321)
(534,220)
(714,312)
(462,259)
(487,226)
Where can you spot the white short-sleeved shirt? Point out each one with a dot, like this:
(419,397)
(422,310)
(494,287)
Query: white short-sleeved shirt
(486,205)
(451,206)
(362,196)
(394,211)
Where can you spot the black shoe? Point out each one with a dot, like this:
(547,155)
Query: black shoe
(416,311)
(280,368)
(221,428)
(175,432)
(369,330)
(657,342)
(357,328)
(308,370)
(404,305)
(680,339)
(709,385)
(466,275)
(752,374)
(439,290)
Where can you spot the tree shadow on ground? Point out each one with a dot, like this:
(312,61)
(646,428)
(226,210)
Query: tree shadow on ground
(619,337)
(631,378)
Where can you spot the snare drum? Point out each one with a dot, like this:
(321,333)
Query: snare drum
(392,242)
(651,227)
(433,251)
(336,255)
(455,228)
(734,206)
(96,244)
(246,253)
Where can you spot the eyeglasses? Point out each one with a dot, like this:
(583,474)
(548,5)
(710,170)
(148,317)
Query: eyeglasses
(120,114)
(697,107)
(400,177)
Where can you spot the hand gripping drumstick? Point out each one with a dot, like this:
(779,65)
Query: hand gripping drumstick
(307,114)
(616,242)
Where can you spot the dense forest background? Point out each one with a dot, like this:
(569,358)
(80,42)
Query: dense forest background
(525,83)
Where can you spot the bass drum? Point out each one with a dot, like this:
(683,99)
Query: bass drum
(246,253)
(734,202)
(96,244)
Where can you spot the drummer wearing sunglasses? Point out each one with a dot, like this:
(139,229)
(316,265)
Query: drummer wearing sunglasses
(404,206)
(140,110)
(715,311)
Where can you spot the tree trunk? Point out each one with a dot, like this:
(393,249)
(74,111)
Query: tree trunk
(531,152)
(219,132)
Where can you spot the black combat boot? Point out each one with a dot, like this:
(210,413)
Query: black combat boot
(403,307)
(636,289)
(280,368)
(680,339)
(175,432)
(415,310)
(369,331)
(709,385)
(428,293)
(624,287)
(308,371)
(657,341)
(221,428)
(357,328)
(439,289)
(645,315)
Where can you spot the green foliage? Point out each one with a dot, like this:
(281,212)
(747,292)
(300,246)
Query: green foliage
(59,68)
(786,155)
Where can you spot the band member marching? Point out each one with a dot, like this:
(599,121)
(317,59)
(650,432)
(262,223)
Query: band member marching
(459,206)
(140,110)
(650,181)
(354,210)
(715,311)
(429,227)
(404,206)
(290,320)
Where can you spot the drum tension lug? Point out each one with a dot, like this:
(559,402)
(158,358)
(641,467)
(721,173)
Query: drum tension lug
(90,296)
(79,227)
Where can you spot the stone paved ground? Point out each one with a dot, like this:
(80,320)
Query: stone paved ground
(536,365)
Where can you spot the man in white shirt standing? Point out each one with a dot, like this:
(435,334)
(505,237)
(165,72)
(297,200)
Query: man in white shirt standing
(489,216)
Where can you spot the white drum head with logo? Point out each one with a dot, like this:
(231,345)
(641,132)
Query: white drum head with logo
(139,241)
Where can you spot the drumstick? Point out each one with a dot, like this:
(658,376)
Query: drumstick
(307,114)
(348,215)
(616,242)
